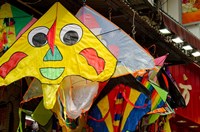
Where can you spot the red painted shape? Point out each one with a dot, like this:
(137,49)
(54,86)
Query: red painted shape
(51,36)
(6,67)
(93,59)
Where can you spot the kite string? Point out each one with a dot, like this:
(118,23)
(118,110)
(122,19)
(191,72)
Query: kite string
(32,3)
(133,25)
(110,13)
(84,1)
(133,105)
(99,120)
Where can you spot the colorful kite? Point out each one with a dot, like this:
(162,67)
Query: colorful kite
(158,94)
(73,100)
(122,108)
(57,46)
(130,55)
(157,84)
(158,98)
(12,21)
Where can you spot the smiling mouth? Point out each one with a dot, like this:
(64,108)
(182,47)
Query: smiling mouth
(52,73)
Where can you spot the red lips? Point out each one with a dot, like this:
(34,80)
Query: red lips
(93,59)
(6,67)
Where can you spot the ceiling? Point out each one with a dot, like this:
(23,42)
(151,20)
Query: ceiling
(121,13)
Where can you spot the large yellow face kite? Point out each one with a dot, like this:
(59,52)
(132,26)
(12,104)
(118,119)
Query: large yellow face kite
(56,46)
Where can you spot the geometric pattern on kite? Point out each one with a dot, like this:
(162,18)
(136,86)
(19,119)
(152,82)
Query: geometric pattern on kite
(120,110)
(156,99)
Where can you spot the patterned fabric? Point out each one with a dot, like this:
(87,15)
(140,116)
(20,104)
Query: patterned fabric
(156,99)
(120,110)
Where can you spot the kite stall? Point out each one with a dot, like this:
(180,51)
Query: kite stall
(83,73)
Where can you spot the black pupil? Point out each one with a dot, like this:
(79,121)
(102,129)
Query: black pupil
(39,39)
(70,37)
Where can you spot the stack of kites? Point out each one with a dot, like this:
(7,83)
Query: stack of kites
(13,23)
(89,72)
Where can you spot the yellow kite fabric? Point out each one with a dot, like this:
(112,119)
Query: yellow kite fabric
(56,46)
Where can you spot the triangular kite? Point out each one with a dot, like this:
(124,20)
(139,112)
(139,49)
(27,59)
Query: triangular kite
(74,51)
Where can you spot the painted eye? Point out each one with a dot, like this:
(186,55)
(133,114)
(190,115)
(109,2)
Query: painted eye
(71,34)
(38,36)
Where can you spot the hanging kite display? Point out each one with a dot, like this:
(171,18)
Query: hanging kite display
(131,59)
(12,21)
(76,94)
(56,46)
(71,64)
